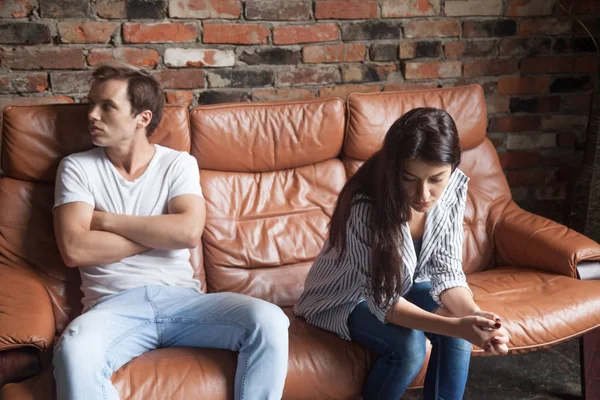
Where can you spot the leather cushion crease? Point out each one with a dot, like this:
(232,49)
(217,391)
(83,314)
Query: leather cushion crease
(271,173)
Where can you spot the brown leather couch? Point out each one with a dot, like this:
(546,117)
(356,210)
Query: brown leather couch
(270,174)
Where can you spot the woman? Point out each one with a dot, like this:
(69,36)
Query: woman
(391,271)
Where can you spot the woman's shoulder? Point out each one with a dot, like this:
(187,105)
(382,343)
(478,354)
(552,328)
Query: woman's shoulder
(460,177)
(457,188)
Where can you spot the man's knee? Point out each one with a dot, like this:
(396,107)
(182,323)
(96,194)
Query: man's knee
(269,320)
(75,352)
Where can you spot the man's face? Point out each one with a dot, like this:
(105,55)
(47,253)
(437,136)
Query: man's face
(110,118)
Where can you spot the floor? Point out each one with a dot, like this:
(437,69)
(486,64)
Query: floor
(549,374)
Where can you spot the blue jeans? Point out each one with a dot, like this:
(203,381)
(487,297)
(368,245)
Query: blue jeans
(402,353)
(128,324)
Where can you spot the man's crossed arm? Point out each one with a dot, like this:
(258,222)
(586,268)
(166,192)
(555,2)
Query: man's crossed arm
(88,237)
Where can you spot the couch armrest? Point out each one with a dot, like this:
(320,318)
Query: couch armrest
(26,316)
(527,240)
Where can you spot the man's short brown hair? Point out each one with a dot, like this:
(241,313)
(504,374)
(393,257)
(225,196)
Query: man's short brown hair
(143,90)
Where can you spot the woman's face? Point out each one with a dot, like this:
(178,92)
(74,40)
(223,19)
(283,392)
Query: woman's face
(425,183)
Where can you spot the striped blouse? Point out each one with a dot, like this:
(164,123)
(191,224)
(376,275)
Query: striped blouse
(334,287)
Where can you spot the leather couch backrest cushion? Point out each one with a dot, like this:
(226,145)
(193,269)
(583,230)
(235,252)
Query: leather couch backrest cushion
(270,136)
(36,138)
(371,114)
(271,178)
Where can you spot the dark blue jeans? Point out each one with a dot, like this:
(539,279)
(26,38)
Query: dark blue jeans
(402,353)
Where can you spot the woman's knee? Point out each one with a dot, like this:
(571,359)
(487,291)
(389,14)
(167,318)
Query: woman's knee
(408,348)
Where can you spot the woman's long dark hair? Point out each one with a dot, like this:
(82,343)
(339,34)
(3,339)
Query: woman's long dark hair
(426,134)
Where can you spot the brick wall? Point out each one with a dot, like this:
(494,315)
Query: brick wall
(534,61)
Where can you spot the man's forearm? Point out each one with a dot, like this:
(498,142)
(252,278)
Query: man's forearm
(459,302)
(98,247)
(165,232)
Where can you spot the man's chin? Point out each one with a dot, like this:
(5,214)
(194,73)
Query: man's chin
(98,143)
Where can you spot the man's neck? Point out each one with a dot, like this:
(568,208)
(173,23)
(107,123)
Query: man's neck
(131,158)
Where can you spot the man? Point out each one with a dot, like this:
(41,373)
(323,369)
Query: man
(126,214)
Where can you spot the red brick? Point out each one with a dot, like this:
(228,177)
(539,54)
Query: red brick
(519,159)
(512,123)
(489,28)
(433,70)
(576,102)
(4,84)
(519,85)
(540,65)
(294,34)
(474,8)
(561,158)
(497,104)
(86,32)
(454,49)
(44,58)
(160,32)
(16,8)
(549,104)
(132,55)
(564,122)
(403,8)
(489,67)
(523,8)
(70,81)
(309,76)
(544,26)
(179,97)
(422,49)
(236,33)
(525,46)
(525,141)
(367,73)
(529,104)
(404,86)
(497,139)
(586,63)
(176,57)
(527,178)
(566,139)
(346,9)
(276,10)
(432,28)
(111,8)
(332,53)
(24,83)
(181,78)
(205,9)
(282,94)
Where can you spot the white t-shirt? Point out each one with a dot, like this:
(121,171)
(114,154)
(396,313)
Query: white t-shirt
(90,177)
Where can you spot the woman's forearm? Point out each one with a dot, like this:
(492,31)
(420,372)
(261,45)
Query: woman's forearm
(459,302)
(406,314)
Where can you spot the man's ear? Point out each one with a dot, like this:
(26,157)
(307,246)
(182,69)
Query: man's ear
(144,118)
